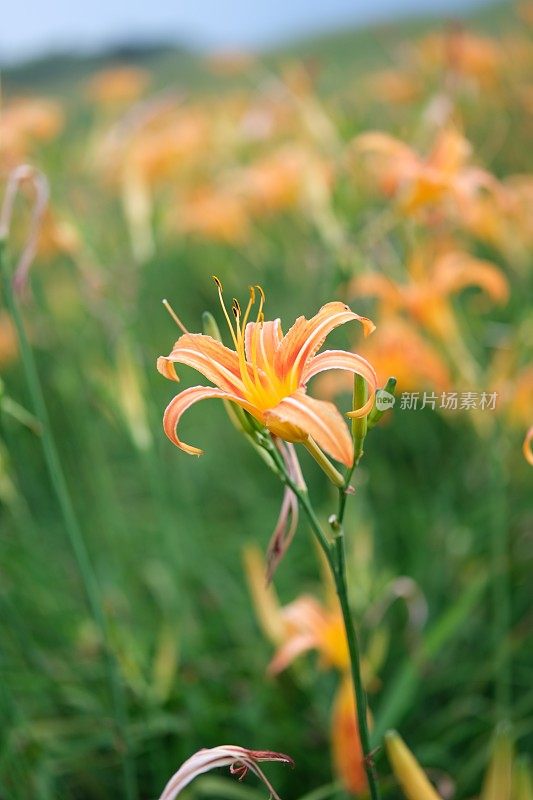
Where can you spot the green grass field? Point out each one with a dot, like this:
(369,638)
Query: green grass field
(437,499)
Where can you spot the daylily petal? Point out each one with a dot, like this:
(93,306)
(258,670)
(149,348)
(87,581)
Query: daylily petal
(345,742)
(287,523)
(455,271)
(217,363)
(288,652)
(238,759)
(268,336)
(306,337)
(340,359)
(166,368)
(316,418)
(179,404)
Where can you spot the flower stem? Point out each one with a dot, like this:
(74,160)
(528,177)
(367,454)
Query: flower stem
(72,526)
(336,558)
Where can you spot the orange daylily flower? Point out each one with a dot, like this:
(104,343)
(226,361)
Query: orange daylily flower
(464,54)
(419,182)
(267,375)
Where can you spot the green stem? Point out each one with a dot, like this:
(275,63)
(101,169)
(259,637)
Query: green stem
(499,546)
(334,552)
(72,526)
(341,585)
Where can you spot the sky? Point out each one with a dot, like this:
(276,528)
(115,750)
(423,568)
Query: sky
(30,28)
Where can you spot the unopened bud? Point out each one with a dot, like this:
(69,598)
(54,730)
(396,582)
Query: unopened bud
(409,774)
(499,777)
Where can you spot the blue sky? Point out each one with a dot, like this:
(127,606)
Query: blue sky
(32,27)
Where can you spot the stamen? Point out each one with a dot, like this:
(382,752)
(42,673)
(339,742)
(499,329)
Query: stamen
(261,302)
(249,307)
(230,326)
(174,316)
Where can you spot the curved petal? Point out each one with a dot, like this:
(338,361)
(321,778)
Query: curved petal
(295,646)
(316,418)
(455,271)
(167,369)
(306,337)
(217,363)
(179,404)
(238,759)
(340,359)
(268,336)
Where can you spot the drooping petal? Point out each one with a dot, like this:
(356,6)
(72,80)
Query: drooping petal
(238,759)
(298,416)
(340,359)
(166,368)
(262,340)
(287,523)
(179,404)
(283,532)
(345,742)
(306,337)
(217,363)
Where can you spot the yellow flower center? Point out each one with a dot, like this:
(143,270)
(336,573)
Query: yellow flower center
(262,385)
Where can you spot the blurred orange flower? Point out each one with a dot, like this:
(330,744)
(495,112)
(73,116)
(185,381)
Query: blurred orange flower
(396,349)
(8,339)
(432,279)
(26,122)
(267,375)
(299,627)
(118,86)
(465,55)
(283,179)
(443,179)
(213,213)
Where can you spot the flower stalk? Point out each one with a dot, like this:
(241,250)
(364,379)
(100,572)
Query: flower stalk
(335,553)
